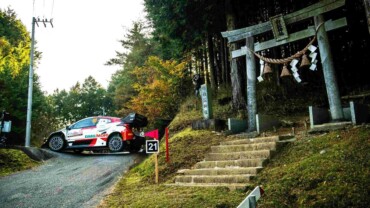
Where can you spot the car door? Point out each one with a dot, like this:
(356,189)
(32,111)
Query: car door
(84,129)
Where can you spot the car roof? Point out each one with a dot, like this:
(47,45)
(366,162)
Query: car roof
(102,117)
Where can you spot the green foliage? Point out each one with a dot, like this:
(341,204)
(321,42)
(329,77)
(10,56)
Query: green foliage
(181,25)
(80,102)
(14,43)
(158,86)
(14,65)
(137,48)
(14,160)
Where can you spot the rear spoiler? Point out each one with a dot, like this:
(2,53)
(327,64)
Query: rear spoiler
(135,120)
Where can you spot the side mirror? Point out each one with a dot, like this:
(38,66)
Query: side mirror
(68,128)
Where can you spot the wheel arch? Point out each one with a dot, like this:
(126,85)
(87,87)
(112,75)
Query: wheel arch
(114,133)
(56,133)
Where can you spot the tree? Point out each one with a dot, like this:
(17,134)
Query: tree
(14,64)
(94,100)
(137,46)
(192,28)
(90,99)
(158,88)
(236,78)
(14,43)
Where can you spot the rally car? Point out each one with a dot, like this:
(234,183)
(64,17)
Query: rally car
(100,132)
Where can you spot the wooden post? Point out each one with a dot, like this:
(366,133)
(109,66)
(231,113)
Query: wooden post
(305,128)
(167,146)
(251,85)
(156,168)
(336,110)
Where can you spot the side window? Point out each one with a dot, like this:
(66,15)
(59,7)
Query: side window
(104,121)
(84,123)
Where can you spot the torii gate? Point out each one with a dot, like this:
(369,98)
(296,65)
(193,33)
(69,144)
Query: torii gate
(277,25)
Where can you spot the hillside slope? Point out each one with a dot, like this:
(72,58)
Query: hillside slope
(14,160)
(324,170)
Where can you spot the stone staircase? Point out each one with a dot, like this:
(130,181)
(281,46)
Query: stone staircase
(231,164)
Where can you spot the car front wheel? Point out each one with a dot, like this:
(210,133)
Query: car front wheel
(115,143)
(56,143)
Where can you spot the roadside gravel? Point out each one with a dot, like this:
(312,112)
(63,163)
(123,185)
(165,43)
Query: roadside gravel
(68,180)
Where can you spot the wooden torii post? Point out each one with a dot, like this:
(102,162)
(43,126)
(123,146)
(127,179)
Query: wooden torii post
(282,37)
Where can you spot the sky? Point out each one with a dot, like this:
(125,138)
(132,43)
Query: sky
(85,36)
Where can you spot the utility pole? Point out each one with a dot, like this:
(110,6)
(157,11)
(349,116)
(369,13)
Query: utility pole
(30,77)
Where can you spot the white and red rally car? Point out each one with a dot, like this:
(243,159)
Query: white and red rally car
(100,132)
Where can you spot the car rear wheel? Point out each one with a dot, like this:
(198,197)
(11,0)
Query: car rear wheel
(56,142)
(115,143)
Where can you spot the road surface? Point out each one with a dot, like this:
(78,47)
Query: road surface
(68,180)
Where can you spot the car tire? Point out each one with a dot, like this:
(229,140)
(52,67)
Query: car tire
(56,143)
(115,143)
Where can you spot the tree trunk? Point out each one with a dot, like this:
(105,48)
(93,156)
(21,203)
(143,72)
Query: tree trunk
(223,64)
(236,79)
(227,64)
(211,62)
(201,64)
(367,11)
(216,55)
(196,63)
(205,61)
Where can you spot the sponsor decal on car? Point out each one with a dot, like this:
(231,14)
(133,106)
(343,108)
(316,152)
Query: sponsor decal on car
(75,133)
(102,135)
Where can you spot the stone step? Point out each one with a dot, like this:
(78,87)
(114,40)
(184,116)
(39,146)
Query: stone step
(239,155)
(230,163)
(231,186)
(223,171)
(244,147)
(245,178)
(252,140)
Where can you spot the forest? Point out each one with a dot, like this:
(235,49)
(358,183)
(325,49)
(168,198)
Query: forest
(177,40)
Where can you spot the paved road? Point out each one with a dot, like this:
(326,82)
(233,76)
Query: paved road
(68,180)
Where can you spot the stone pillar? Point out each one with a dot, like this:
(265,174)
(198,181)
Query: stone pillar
(251,85)
(332,90)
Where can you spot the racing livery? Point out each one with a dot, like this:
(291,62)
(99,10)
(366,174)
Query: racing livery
(100,132)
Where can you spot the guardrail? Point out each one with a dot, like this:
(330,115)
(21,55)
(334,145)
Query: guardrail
(251,200)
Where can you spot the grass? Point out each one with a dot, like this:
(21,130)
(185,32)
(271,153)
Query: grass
(12,161)
(187,148)
(328,170)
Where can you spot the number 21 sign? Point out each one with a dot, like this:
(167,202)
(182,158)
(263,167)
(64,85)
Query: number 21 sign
(152,146)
